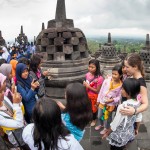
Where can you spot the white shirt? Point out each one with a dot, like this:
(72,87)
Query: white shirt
(119,117)
(71,143)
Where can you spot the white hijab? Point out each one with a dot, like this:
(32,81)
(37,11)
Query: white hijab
(5,53)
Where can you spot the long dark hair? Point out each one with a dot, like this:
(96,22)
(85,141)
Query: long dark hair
(48,126)
(78,105)
(133,60)
(132,87)
(97,65)
(34,62)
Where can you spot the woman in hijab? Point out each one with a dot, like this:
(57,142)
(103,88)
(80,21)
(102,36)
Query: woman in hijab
(11,114)
(27,89)
(6,70)
(5,53)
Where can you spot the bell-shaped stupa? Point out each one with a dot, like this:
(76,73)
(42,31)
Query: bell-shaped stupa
(22,38)
(145,55)
(2,41)
(64,50)
(109,57)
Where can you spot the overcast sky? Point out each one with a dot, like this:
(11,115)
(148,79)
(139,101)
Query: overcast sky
(94,17)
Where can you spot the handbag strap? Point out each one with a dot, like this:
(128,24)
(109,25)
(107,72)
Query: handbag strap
(92,79)
(17,139)
(7,105)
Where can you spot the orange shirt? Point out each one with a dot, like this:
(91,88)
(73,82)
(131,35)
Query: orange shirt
(13,62)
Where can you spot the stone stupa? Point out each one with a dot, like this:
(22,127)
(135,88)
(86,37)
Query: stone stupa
(22,38)
(109,57)
(2,41)
(145,55)
(64,50)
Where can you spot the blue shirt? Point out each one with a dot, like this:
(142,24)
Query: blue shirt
(78,133)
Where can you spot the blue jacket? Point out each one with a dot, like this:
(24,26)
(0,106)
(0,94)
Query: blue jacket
(28,98)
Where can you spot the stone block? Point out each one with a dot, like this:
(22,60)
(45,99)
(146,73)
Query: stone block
(51,41)
(50,49)
(82,47)
(67,35)
(59,56)
(82,40)
(75,55)
(74,41)
(84,54)
(44,42)
(58,41)
(67,48)
(52,35)
(50,56)
(44,35)
(43,56)
(38,41)
(79,34)
(39,48)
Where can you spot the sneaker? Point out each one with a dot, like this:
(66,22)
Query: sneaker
(98,127)
(93,123)
(104,131)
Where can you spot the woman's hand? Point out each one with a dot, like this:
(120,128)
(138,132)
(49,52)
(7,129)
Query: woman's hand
(34,84)
(13,88)
(17,97)
(127,110)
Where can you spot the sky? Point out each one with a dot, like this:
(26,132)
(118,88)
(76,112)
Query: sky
(126,18)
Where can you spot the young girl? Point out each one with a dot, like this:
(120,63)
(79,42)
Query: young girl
(48,132)
(77,113)
(122,128)
(27,89)
(109,97)
(36,73)
(93,84)
(135,68)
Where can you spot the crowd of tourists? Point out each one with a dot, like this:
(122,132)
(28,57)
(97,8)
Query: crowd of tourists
(30,120)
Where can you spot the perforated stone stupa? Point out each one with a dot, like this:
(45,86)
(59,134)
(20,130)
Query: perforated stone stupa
(145,55)
(22,38)
(109,56)
(2,41)
(64,50)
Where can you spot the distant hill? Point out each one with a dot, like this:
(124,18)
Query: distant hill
(121,43)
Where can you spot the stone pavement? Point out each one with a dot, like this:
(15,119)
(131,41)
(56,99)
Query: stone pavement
(92,139)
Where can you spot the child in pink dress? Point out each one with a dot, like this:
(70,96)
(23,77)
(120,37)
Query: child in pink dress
(93,84)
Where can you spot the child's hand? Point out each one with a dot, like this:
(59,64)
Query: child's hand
(106,134)
(60,105)
(86,84)
(97,104)
(109,101)
(45,73)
